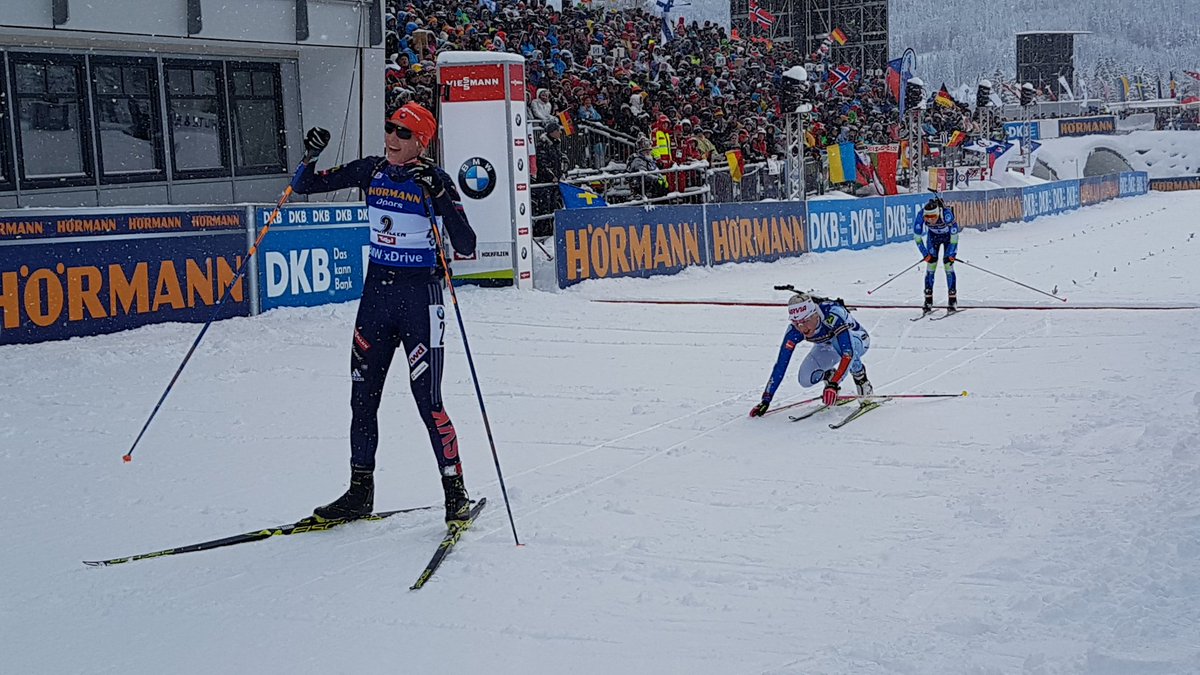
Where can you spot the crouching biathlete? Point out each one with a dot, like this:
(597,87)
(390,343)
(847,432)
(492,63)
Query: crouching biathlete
(839,343)
(401,305)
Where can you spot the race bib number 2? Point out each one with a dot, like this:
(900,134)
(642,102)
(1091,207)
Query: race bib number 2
(437,326)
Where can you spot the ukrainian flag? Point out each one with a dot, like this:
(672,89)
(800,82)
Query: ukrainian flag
(842,163)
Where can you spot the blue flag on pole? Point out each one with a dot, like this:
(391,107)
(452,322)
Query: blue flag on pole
(575,197)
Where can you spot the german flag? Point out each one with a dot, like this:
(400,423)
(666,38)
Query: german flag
(957,138)
(839,36)
(943,98)
(735,164)
(568,126)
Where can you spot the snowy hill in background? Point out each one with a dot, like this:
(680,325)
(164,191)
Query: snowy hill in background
(958,41)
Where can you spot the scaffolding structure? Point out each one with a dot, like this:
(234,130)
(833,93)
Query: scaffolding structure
(1044,56)
(807,22)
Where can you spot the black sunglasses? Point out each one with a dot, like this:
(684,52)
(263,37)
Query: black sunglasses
(404,133)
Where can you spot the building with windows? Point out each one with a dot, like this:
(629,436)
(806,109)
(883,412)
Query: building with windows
(186,102)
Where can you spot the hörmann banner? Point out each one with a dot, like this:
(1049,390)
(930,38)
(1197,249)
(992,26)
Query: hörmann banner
(313,255)
(762,231)
(627,241)
(71,274)
(1175,184)
(1096,189)
(1086,126)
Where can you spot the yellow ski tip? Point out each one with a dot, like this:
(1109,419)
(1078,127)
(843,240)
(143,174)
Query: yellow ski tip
(964,392)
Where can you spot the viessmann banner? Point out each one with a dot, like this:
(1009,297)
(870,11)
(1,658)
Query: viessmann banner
(67,274)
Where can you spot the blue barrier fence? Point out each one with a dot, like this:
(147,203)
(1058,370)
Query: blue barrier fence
(640,242)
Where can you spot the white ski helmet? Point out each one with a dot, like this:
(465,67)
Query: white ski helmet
(801,306)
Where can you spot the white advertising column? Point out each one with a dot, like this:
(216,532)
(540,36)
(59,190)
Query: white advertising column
(483,127)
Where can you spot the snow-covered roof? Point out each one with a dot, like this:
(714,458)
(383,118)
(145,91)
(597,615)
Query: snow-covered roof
(464,58)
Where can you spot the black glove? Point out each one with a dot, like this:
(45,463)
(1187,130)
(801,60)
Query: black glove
(931,258)
(315,141)
(426,174)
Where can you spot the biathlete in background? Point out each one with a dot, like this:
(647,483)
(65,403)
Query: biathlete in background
(937,220)
(401,305)
(839,343)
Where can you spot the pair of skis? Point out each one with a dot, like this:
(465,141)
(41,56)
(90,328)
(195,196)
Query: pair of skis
(866,405)
(862,409)
(936,316)
(311,524)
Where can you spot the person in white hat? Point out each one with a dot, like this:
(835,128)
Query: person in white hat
(839,343)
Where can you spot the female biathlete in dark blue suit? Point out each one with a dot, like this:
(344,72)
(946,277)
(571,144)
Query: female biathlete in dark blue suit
(401,306)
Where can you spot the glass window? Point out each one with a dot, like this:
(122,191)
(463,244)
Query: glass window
(127,120)
(256,104)
(51,119)
(199,138)
(6,180)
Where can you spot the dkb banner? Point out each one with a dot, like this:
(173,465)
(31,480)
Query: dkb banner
(313,255)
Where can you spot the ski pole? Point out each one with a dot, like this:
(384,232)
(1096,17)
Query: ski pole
(1012,280)
(241,270)
(793,404)
(437,235)
(895,276)
(850,397)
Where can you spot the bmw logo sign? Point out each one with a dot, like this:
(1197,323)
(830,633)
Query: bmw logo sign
(477,178)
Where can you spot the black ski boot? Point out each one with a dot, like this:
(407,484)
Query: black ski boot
(928,306)
(458,503)
(865,390)
(952,302)
(358,501)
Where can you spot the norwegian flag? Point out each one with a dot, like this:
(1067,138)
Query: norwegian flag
(841,78)
(761,16)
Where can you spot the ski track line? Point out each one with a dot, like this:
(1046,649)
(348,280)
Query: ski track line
(586,486)
(639,432)
(900,342)
(977,338)
(960,365)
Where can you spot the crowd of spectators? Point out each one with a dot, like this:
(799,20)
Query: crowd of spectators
(704,89)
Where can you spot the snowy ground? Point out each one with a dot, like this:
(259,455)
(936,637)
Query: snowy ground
(1044,524)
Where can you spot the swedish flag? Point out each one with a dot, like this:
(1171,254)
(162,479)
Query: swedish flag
(575,197)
